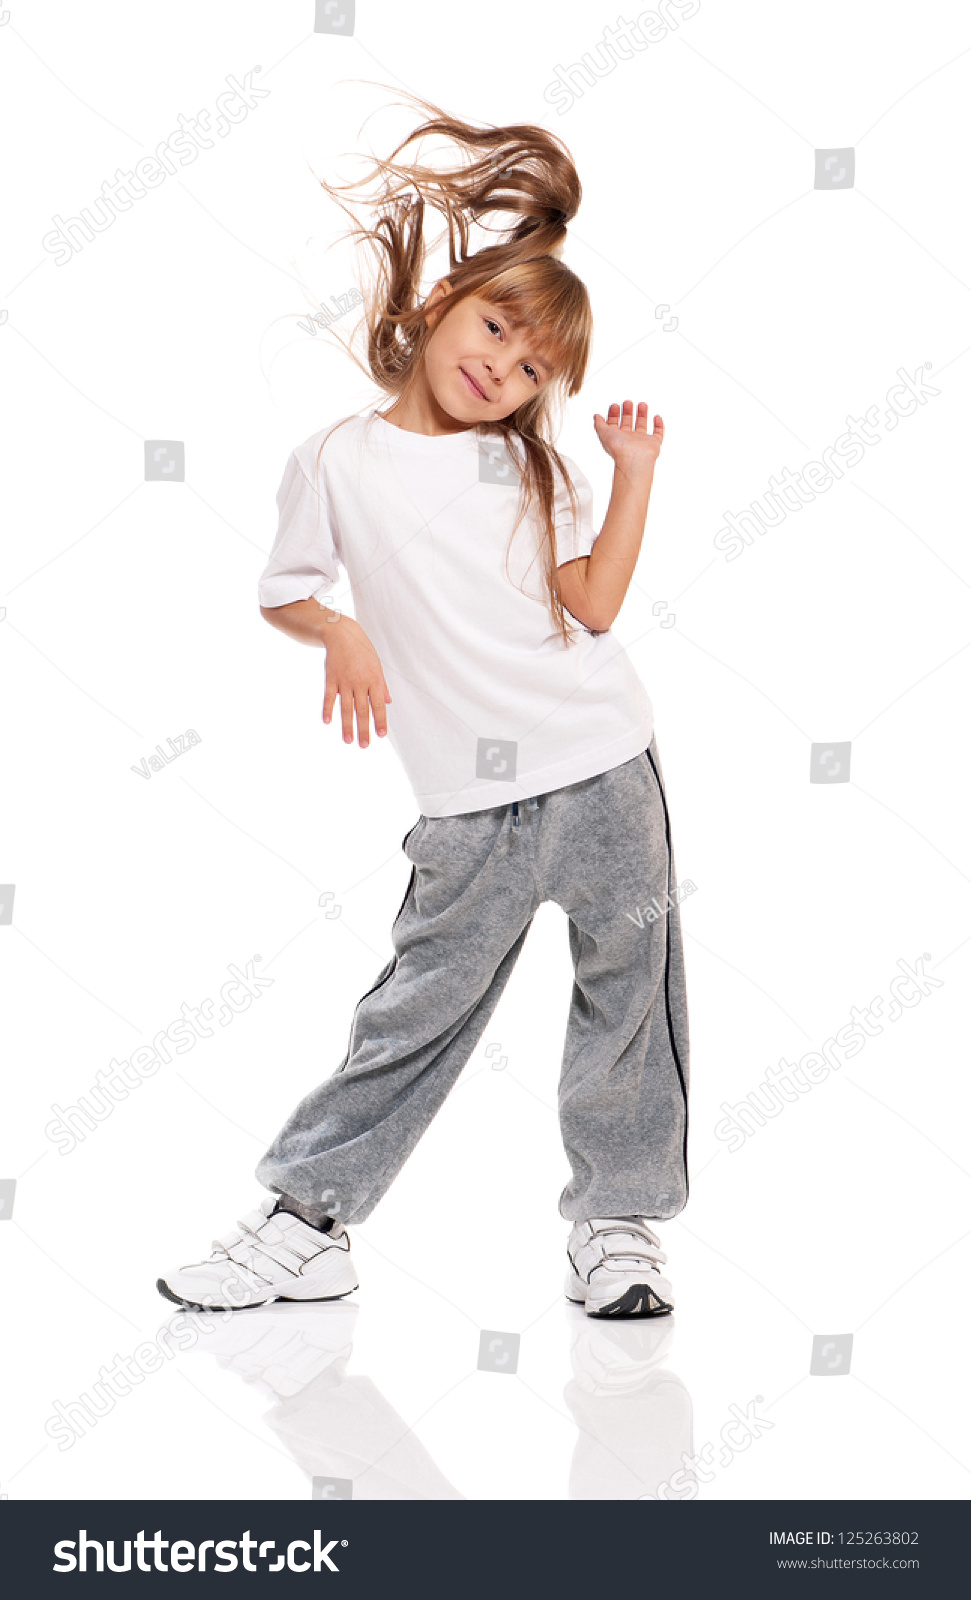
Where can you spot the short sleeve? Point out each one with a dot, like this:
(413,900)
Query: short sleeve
(304,561)
(572,542)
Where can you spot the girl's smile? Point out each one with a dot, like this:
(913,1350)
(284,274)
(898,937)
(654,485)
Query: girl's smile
(473,385)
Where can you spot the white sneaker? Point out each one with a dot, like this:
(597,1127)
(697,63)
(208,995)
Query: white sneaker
(614,1268)
(268,1255)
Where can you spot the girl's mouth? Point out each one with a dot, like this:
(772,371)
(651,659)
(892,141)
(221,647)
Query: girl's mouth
(474,387)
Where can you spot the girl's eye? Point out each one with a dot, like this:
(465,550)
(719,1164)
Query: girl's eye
(491,323)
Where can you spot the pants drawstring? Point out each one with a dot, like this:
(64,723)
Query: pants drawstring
(532,803)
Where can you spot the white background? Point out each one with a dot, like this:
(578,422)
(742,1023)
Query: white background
(131,616)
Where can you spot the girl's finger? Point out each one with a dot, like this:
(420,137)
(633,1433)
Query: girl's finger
(362,706)
(347,714)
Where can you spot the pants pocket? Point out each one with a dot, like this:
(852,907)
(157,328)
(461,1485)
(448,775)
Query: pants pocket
(413,836)
(450,853)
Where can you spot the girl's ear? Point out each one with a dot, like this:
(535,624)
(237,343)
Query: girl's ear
(437,294)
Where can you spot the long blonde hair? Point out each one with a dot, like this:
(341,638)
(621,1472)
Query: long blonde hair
(518,168)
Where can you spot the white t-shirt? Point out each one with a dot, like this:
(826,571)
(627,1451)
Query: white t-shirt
(488,705)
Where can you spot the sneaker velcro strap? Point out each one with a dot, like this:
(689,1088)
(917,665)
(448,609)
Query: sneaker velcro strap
(621,1239)
(636,1258)
(630,1225)
(620,1261)
(617,1245)
(258,1222)
(249,1227)
(248,1253)
(247,1273)
(226,1240)
(282,1254)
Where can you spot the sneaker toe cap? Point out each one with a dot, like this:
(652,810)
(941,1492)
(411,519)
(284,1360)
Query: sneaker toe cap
(207,1283)
(608,1287)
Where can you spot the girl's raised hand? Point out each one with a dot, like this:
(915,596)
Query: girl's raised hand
(626,438)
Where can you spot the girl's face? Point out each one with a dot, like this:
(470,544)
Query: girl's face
(479,367)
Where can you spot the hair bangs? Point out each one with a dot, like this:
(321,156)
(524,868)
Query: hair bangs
(547,300)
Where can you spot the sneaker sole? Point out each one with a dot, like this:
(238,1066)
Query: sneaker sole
(638,1300)
(303,1300)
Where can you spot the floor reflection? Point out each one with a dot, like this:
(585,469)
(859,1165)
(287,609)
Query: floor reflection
(632,1413)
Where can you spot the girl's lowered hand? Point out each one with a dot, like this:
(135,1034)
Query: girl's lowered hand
(355,673)
(627,441)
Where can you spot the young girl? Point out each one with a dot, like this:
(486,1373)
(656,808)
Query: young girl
(522,725)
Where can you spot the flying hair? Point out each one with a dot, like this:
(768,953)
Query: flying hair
(518,169)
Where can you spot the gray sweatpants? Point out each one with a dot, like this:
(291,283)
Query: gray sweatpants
(601,849)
